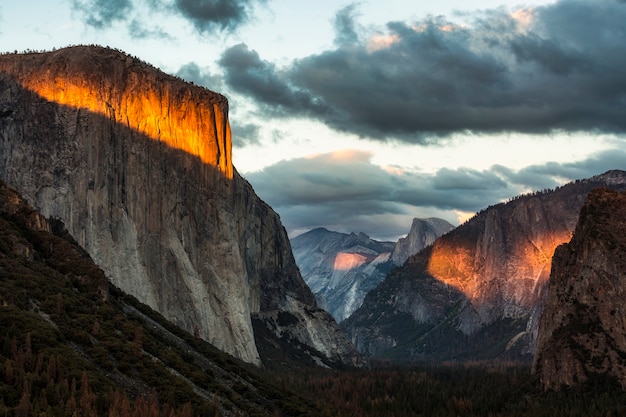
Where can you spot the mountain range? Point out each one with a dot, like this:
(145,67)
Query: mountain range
(342,268)
(476,292)
(136,263)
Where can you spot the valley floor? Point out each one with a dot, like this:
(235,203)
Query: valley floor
(451,390)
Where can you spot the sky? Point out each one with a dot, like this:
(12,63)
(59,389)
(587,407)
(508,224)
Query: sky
(360,116)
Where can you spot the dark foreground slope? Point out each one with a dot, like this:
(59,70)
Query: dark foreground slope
(476,293)
(72,344)
(582,331)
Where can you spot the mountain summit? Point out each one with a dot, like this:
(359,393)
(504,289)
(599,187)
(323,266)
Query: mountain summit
(138,166)
(423,232)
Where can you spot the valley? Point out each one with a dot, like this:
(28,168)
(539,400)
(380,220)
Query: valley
(140,274)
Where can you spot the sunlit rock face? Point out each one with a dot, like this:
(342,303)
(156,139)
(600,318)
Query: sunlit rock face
(582,330)
(341,268)
(423,232)
(138,166)
(476,292)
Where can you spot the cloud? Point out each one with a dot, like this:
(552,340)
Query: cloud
(557,67)
(206,16)
(246,73)
(245,134)
(345,25)
(345,191)
(211,15)
(192,72)
(138,31)
(103,13)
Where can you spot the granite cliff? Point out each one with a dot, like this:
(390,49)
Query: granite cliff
(138,166)
(423,232)
(476,292)
(582,330)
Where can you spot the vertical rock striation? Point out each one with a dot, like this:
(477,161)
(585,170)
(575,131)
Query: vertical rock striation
(138,166)
(582,330)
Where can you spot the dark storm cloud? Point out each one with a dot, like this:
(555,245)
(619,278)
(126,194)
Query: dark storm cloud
(247,73)
(553,174)
(245,134)
(346,192)
(558,67)
(211,15)
(102,13)
(206,16)
(192,72)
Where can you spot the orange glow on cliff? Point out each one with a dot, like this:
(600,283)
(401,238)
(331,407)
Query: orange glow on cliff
(187,127)
(347,261)
(132,94)
(451,265)
(529,265)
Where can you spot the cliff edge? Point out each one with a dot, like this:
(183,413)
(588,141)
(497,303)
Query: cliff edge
(582,331)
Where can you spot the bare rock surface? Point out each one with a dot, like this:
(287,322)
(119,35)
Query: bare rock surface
(340,268)
(138,166)
(423,233)
(582,330)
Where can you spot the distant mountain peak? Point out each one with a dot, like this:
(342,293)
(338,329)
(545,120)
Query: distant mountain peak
(342,268)
(423,233)
(339,267)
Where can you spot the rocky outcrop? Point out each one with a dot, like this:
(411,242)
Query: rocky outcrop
(423,233)
(582,330)
(475,293)
(341,268)
(138,166)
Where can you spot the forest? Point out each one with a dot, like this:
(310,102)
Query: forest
(451,390)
